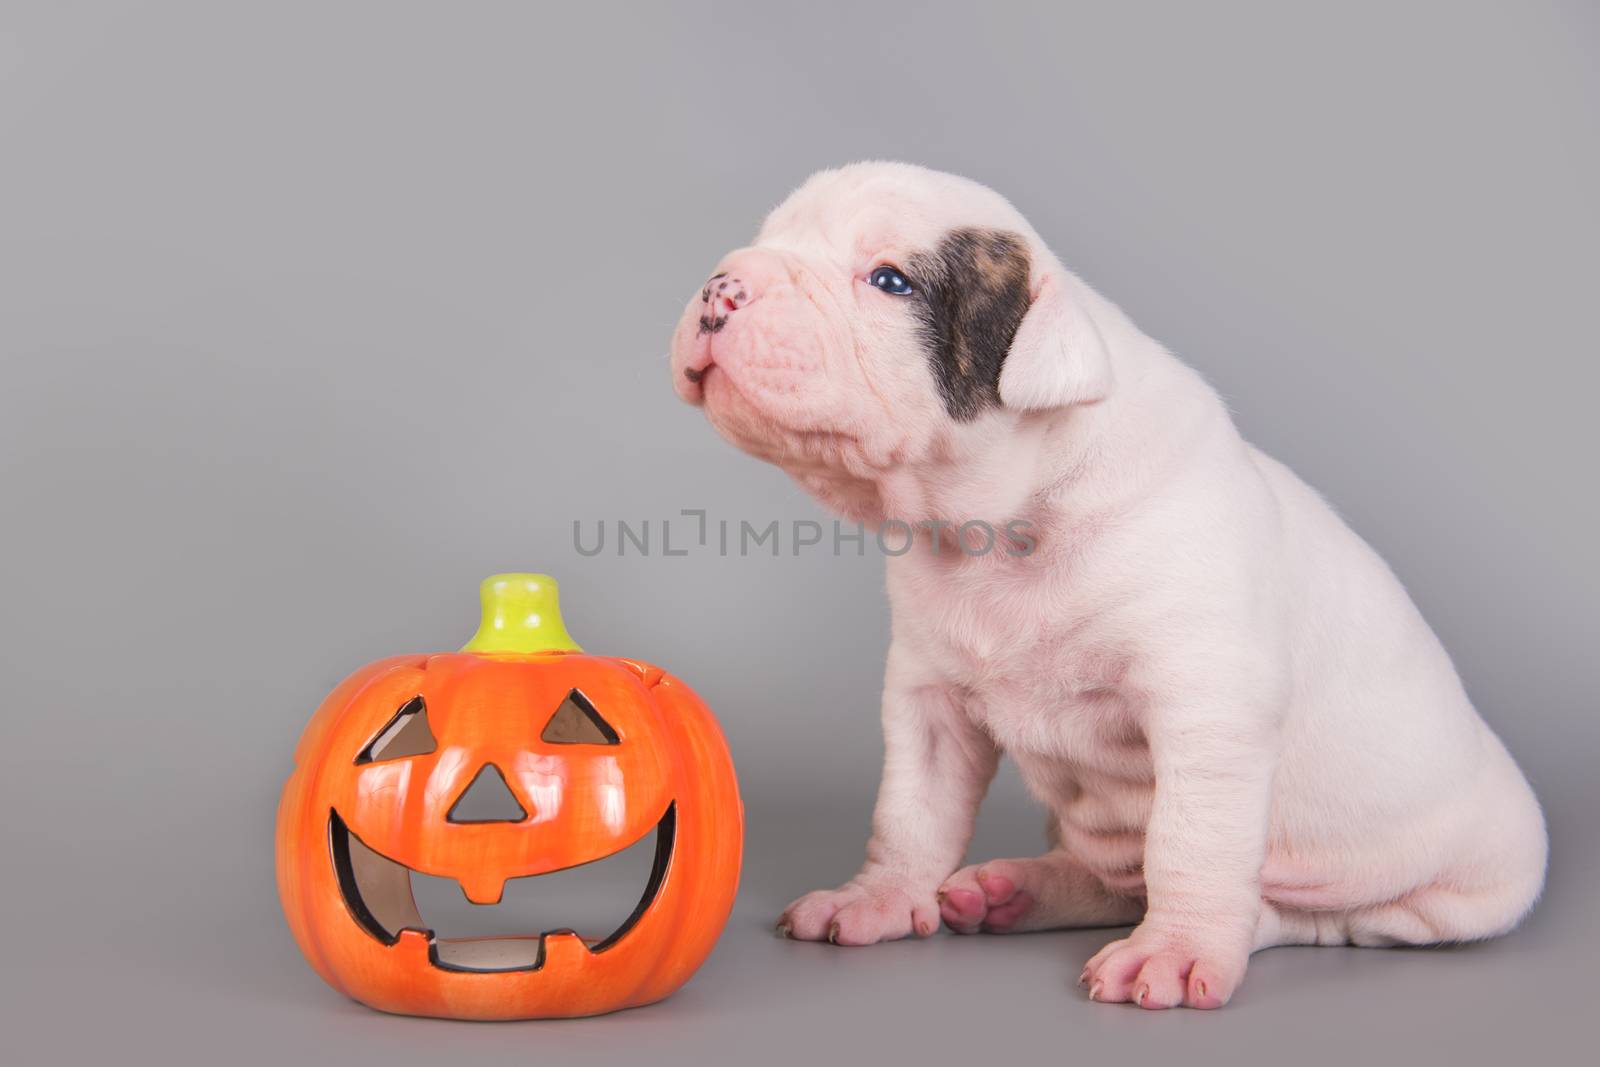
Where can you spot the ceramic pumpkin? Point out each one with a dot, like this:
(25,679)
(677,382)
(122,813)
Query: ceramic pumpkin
(597,752)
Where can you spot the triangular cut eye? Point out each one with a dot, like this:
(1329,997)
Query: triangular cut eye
(577,723)
(487,798)
(407,734)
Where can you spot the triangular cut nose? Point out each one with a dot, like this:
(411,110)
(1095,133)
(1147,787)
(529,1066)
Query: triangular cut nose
(487,798)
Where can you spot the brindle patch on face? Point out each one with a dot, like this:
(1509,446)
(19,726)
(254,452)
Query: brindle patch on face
(974,293)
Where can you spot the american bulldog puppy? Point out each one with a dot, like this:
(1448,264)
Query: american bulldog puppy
(1244,732)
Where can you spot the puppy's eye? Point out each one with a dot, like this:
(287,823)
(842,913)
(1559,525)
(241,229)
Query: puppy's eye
(890,280)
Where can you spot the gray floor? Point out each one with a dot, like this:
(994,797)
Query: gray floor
(214,977)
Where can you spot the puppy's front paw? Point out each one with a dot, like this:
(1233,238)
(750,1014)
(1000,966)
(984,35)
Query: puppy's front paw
(861,914)
(1159,968)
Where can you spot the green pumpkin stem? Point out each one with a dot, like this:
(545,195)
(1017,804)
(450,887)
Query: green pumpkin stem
(522,614)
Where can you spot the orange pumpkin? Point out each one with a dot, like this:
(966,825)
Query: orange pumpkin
(598,752)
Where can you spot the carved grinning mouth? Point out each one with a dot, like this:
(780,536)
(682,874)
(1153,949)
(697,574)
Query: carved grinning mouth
(378,893)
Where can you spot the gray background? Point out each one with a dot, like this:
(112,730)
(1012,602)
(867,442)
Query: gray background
(313,314)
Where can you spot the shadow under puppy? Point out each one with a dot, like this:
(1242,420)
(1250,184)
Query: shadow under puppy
(1245,733)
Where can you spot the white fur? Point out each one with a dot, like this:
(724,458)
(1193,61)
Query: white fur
(1245,733)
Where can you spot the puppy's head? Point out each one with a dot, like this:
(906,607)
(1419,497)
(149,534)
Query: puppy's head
(882,310)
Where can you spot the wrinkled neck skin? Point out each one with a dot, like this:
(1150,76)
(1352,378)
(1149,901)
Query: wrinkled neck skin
(1063,474)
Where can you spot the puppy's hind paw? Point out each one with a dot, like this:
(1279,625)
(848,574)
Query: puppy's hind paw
(988,897)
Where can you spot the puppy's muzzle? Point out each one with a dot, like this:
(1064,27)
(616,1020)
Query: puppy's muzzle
(743,277)
(722,295)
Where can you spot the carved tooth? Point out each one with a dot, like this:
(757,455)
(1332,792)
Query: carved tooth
(563,948)
(483,888)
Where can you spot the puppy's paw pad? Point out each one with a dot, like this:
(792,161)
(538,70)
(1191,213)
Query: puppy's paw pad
(1206,988)
(988,897)
(1161,982)
(962,909)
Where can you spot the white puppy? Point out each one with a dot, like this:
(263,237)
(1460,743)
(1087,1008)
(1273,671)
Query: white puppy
(1245,733)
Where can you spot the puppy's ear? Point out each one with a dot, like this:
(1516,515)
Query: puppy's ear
(1057,358)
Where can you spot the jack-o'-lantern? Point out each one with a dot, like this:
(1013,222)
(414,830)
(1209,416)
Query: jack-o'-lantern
(595,754)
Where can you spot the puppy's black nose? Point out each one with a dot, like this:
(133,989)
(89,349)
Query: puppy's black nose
(725,292)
